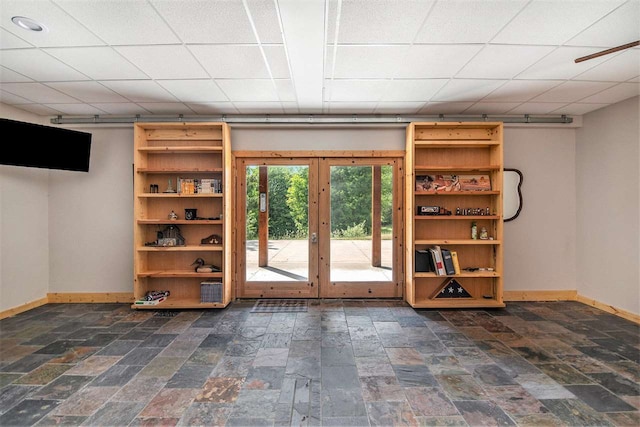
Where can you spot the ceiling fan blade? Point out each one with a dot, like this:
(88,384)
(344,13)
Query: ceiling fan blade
(608,51)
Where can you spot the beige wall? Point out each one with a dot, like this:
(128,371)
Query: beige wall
(540,245)
(608,202)
(24,234)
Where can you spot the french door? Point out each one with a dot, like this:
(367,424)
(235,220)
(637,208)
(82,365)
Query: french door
(311,227)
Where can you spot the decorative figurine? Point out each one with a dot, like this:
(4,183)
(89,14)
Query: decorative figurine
(201,267)
(474,230)
(169,187)
(173,216)
(483,234)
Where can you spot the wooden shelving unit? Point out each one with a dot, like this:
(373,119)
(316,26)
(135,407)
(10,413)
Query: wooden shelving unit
(455,148)
(164,152)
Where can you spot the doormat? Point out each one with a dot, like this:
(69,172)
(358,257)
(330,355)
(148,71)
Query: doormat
(280,306)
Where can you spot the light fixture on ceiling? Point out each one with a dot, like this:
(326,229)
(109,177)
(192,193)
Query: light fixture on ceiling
(28,24)
(608,51)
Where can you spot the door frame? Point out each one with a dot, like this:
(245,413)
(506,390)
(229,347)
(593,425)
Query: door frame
(322,273)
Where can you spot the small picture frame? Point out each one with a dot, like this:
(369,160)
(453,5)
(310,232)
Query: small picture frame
(478,182)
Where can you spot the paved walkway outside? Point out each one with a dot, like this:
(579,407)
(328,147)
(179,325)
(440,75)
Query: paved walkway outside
(350,261)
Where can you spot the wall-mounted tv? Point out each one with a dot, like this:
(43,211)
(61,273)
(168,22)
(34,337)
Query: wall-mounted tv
(48,147)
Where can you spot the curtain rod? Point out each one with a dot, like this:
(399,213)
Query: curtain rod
(311,119)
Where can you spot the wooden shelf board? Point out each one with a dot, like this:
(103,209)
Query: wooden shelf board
(453,143)
(456,168)
(455,217)
(475,274)
(456,193)
(177,273)
(458,242)
(180,303)
(181,149)
(181,170)
(192,248)
(179,221)
(178,195)
(181,138)
(457,303)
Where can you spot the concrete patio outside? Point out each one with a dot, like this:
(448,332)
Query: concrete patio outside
(350,261)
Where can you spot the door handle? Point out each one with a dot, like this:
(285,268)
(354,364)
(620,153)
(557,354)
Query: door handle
(314,238)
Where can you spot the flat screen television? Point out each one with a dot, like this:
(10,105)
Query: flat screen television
(48,147)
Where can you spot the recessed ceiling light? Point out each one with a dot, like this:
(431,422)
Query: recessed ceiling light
(28,23)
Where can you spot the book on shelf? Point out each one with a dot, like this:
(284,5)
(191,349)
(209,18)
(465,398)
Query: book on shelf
(437,258)
(151,302)
(447,260)
(456,264)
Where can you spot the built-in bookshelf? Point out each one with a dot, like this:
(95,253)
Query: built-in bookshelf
(182,188)
(453,181)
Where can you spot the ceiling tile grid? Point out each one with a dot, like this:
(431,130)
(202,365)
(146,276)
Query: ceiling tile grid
(171,57)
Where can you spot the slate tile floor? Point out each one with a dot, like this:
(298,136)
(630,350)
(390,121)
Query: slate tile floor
(341,363)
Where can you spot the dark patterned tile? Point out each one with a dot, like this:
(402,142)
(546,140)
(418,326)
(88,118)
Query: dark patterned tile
(414,376)
(345,421)
(343,403)
(535,355)
(340,377)
(243,348)
(169,403)
(43,375)
(374,366)
(118,348)
(448,421)
(367,348)
(205,356)
(74,355)
(189,376)
(515,400)
(483,413)
(139,389)
(600,354)
(265,378)
(6,379)
(86,401)
(381,388)
(233,366)
(62,387)
(404,356)
(28,412)
(13,394)
(461,387)
(337,356)
(154,422)
(564,374)
(158,340)
(492,375)
(247,421)
(599,398)
(115,414)
(140,356)
(445,365)
(220,390)
(163,367)
(27,363)
(100,340)
(256,404)
(205,414)
(93,365)
(538,420)
(625,419)
(61,420)
(117,375)
(574,412)
(271,357)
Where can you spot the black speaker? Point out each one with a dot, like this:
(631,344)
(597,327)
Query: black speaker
(423,261)
(45,147)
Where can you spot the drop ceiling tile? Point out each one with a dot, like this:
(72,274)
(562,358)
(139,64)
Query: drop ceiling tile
(352,107)
(193,90)
(169,108)
(475,21)
(38,93)
(355,90)
(75,109)
(259,107)
(537,107)
(413,89)
(368,62)
(467,90)
(571,91)
(445,107)
(617,28)
(614,94)
(36,64)
(277,59)
(120,108)
(204,21)
(435,61)
(544,22)
(266,21)
(213,107)
(520,90)
(121,22)
(11,41)
(63,30)
(382,21)
(10,76)
(560,65)
(332,16)
(398,107)
(579,109)
(502,61)
(491,107)
(619,68)
(249,90)
(87,91)
(140,90)
(39,109)
(286,93)
(99,63)
(161,62)
(9,98)
(230,61)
